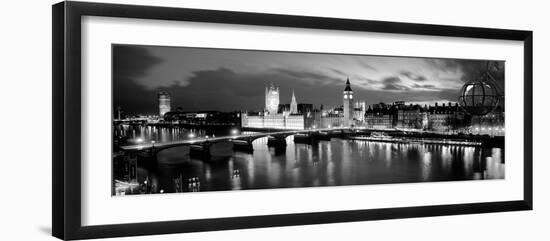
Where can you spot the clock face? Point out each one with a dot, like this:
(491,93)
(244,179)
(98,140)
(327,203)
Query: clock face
(345,96)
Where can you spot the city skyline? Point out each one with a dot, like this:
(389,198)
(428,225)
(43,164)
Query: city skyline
(211,79)
(197,119)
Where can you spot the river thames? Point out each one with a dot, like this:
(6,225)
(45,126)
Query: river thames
(324,163)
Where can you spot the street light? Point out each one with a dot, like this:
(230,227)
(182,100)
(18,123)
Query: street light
(191,135)
(234,131)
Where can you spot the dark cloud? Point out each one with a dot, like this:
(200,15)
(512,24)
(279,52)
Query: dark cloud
(129,63)
(395,87)
(471,69)
(411,75)
(391,80)
(393,83)
(361,80)
(424,86)
(212,89)
(446,65)
(316,77)
(132,61)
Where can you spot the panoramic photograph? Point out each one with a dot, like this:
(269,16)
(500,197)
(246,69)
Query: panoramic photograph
(188,119)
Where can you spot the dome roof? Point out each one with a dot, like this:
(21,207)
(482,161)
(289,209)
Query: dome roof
(479,97)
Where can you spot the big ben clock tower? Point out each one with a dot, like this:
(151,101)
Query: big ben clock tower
(348,104)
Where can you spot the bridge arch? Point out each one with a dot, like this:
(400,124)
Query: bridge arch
(252,138)
(184,148)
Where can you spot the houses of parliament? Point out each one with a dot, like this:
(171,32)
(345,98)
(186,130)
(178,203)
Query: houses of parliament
(301,116)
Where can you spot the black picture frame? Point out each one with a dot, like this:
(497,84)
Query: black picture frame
(66,127)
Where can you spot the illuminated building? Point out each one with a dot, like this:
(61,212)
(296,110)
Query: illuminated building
(119,113)
(204,118)
(381,116)
(411,117)
(276,121)
(490,124)
(348,104)
(164,103)
(280,116)
(277,116)
(329,120)
(301,108)
(293,105)
(271,98)
(360,107)
(304,116)
(446,118)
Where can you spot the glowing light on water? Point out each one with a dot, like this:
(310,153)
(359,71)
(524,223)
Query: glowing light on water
(234,131)
(426,164)
(324,163)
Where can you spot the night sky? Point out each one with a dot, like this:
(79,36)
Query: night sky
(228,80)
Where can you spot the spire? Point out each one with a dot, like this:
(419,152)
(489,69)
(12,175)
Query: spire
(293,104)
(348,87)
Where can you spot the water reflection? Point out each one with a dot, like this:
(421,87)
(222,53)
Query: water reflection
(323,163)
